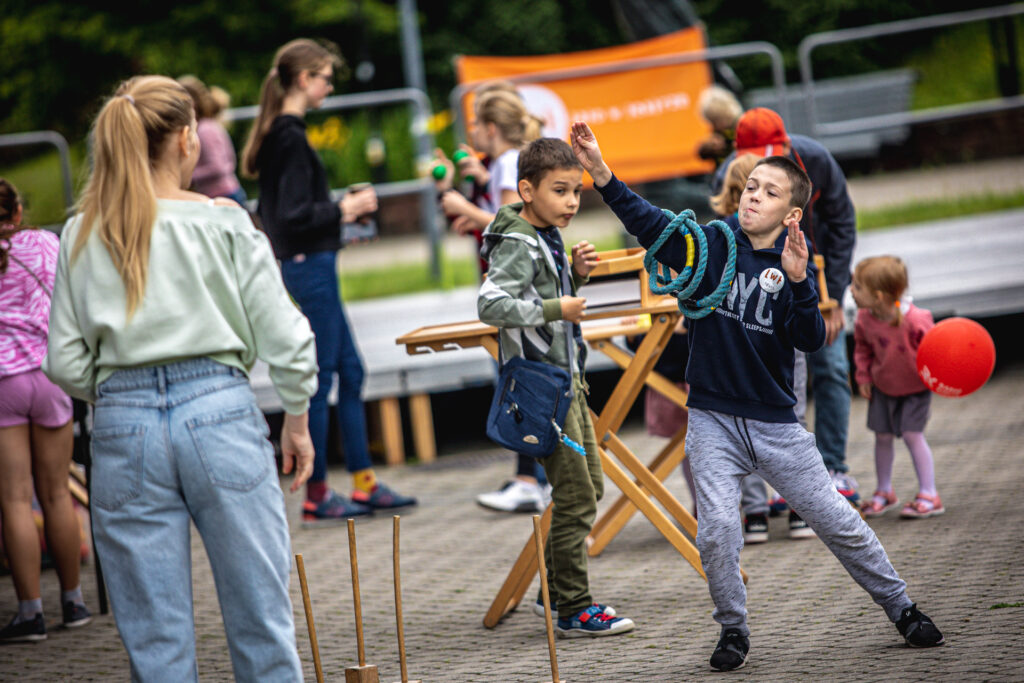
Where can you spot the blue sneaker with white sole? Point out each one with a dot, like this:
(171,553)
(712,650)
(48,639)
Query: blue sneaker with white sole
(538,608)
(591,623)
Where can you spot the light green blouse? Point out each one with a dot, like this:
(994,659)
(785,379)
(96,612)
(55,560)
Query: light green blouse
(213,290)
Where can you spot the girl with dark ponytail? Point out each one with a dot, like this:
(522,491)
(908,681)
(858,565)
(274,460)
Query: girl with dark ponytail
(304,226)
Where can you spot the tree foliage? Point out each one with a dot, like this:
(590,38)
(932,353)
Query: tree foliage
(62,58)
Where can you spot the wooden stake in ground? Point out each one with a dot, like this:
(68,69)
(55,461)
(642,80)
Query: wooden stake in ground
(398,605)
(537,535)
(364,673)
(309,618)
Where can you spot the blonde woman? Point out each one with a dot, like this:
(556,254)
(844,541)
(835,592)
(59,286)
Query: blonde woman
(162,302)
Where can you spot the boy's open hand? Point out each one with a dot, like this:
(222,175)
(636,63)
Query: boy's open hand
(573,308)
(794,253)
(584,145)
(584,258)
(864,390)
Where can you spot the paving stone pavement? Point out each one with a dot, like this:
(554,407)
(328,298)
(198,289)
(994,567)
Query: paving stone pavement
(809,620)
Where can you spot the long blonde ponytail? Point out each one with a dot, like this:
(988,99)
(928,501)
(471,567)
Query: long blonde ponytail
(119,199)
(291,59)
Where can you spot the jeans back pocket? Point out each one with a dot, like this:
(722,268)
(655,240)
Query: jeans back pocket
(233,447)
(117,454)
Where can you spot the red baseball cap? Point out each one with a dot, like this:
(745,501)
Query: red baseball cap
(760,131)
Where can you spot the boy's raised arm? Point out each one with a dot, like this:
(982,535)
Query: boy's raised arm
(584,145)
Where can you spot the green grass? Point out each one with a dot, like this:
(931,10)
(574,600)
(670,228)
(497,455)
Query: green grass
(958,66)
(41,187)
(415,277)
(928,210)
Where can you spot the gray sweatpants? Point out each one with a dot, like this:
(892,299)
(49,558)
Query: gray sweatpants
(754,497)
(722,450)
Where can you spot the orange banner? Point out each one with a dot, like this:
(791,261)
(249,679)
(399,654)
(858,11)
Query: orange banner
(646,120)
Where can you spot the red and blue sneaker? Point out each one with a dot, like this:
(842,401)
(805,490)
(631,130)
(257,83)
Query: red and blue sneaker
(592,622)
(383,497)
(334,509)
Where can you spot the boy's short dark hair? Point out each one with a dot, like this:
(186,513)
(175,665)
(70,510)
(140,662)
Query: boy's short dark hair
(543,155)
(800,184)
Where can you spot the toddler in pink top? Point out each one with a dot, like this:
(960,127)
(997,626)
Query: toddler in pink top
(886,336)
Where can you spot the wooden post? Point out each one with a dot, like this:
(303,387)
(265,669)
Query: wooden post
(309,618)
(545,597)
(398,604)
(364,673)
(422,427)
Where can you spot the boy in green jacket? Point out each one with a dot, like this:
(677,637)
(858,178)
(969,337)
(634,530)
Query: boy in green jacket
(530,295)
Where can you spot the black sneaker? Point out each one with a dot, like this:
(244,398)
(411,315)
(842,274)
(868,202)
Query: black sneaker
(917,629)
(755,529)
(24,632)
(731,651)
(798,528)
(75,615)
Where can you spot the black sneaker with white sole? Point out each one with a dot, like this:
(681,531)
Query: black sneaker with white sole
(75,615)
(917,629)
(755,529)
(798,528)
(32,630)
(731,651)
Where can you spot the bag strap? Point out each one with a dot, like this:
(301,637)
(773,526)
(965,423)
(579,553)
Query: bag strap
(49,292)
(566,286)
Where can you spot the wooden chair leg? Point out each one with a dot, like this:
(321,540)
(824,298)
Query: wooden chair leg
(422,427)
(391,431)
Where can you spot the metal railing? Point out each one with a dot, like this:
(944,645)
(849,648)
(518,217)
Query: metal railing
(424,149)
(714,53)
(47,137)
(870,123)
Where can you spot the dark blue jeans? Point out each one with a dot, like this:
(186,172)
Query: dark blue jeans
(313,283)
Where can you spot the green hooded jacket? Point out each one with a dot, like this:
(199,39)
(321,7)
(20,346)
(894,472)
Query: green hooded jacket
(521,293)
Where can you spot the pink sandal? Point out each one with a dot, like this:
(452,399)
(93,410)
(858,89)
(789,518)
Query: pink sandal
(879,503)
(924,505)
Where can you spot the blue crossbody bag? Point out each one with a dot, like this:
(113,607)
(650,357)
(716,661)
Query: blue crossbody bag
(531,401)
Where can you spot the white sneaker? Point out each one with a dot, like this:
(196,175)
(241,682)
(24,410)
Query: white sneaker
(514,496)
(545,496)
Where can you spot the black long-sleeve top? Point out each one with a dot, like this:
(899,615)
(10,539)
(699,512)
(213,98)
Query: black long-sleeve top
(295,205)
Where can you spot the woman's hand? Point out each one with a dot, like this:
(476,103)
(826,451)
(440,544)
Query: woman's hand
(470,165)
(358,203)
(296,448)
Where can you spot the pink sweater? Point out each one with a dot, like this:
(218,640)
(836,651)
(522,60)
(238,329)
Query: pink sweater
(24,304)
(214,174)
(886,356)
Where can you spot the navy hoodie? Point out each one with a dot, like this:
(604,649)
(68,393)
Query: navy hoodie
(741,356)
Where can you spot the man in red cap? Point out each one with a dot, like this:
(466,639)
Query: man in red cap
(830,223)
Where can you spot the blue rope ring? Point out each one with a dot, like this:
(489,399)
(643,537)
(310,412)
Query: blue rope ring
(685,284)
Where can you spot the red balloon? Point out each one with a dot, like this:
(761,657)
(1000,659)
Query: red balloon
(956,357)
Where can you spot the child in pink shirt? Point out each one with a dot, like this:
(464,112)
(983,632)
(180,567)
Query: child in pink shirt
(886,336)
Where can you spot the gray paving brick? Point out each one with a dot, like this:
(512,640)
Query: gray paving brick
(809,620)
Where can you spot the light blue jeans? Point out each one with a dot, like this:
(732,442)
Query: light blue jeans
(182,442)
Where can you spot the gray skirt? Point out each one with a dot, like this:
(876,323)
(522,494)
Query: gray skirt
(898,414)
